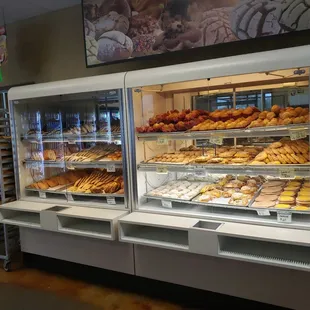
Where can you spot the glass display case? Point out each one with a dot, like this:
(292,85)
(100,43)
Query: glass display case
(69,148)
(230,148)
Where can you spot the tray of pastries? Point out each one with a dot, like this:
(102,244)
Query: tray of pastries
(92,181)
(99,182)
(78,130)
(228,155)
(58,182)
(177,190)
(182,157)
(230,191)
(93,154)
(284,152)
(115,156)
(282,194)
(250,117)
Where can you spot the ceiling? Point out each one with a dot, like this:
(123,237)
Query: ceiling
(15,10)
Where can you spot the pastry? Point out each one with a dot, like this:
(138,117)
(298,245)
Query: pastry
(52,182)
(247,189)
(292,188)
(261,156)
(288,193)
(301,208)
(271,190)
(273,184)
(282,206)
(43,185)
(264,198)
(263,205)
(287,199)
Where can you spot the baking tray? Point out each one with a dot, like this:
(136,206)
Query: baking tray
(147,195)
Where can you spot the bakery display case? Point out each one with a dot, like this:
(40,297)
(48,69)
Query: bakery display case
(220,159)
(233,148)
(69,148)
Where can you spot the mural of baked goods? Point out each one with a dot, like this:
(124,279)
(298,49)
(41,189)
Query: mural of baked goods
(122,29)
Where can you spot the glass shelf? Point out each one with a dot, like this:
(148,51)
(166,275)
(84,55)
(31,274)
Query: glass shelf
(272,170)
(72,139)
(72,164)
(272,131)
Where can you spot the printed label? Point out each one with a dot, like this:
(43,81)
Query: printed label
(166,204)
(162,169)
(111,201)
(70,197)
(110,168)
(162,141)
(284,217)
(216,139)
(42,195)
(263,212)
(286,173)
(296,134)
(200,172)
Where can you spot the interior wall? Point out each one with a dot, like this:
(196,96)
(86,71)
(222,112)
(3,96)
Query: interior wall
(50,47)
(47,48)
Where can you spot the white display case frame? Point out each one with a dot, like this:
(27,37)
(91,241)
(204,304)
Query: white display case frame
(138,227)
(67,216)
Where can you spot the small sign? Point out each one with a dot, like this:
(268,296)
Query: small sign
(263,212)
(296,134)
(70,197)
(200,172)
(71,142)
(284,217)
(166,204)
(110,167)
(162,141)
(286,173)
(216,139)
(111,201)
(42,195)
(162,169)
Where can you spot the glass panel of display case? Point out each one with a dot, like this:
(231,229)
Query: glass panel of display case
(70,148)
(232,147)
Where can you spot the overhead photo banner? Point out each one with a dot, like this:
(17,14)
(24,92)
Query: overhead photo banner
(116,30)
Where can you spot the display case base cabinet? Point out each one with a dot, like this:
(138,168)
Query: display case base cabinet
(268,284)
(111,255)
(281,247)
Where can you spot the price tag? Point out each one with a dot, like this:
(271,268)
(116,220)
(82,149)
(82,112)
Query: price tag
(110,168)
(71,142)
(286,173)
(162,169)
(284,217)
(296,134)
(200,172)
(111,201)
(166,204)
(162,141)
(263,212)
(42,195)
(216,139)
(70,197)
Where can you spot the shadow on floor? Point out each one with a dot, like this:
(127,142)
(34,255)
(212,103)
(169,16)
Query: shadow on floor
(13,297)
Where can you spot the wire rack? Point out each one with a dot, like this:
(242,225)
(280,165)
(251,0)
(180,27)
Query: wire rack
(9,235)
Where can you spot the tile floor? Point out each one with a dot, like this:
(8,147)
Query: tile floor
(95,295)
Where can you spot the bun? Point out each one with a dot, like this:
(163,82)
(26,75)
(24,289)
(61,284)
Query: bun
(282,206)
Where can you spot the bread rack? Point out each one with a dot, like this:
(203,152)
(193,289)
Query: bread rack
(9,235)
